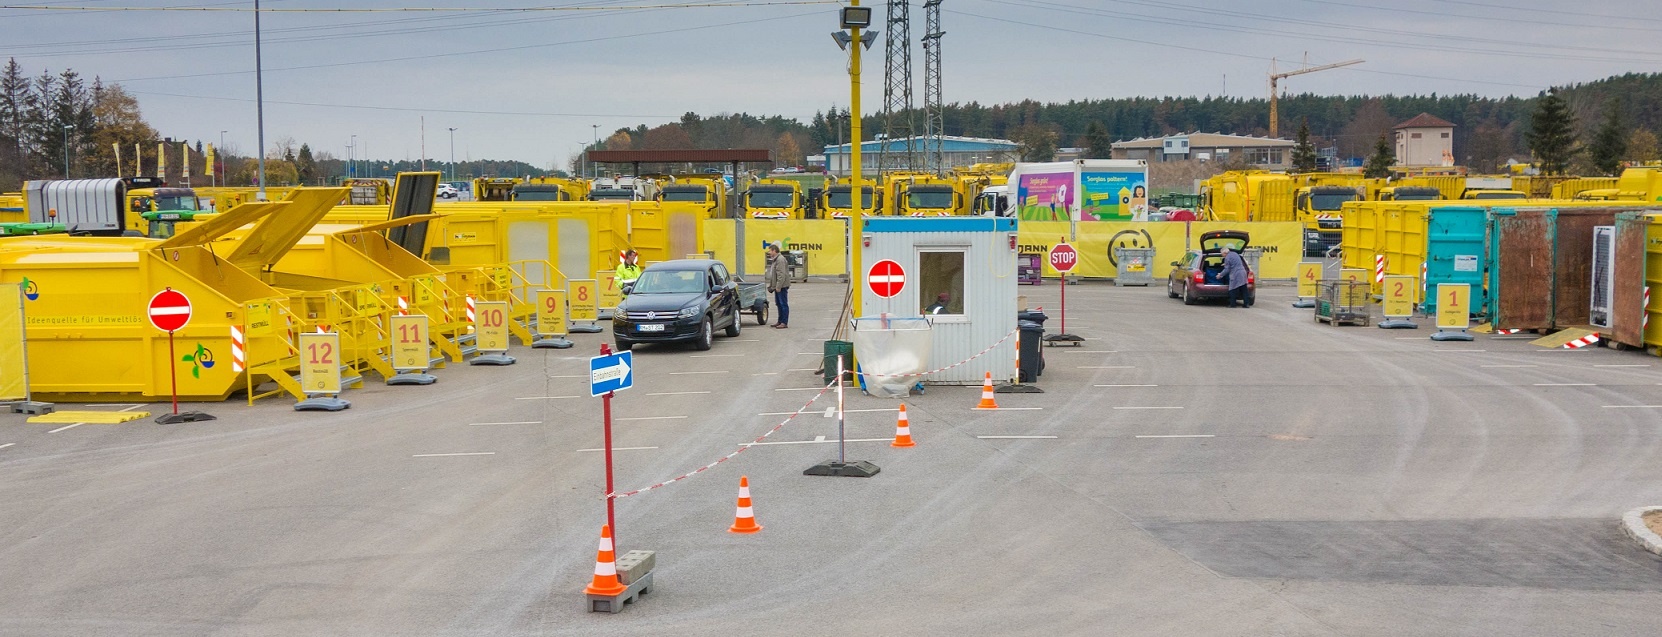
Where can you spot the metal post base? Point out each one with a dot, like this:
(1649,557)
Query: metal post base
(551,343)
(412,378)
(322,403)
(1304,304)
(33,408)
(183,416)
(1398,324)
(1440,335)
(586,329)
(1017,388)
(491,359)
(855,469)
(1056,340)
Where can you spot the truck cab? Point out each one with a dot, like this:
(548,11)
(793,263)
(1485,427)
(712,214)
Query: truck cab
(710,192)
(837,201)
(159,199)
(994,201)
(774,199)
(1492,193)
(1318,207)
(495,188)
(1409,193)
(163,225)
(623,189)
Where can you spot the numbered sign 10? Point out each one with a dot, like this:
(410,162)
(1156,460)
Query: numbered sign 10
(409,343)
(551,313)
(1454,305)
(492,332)
(320,362)
(584,299)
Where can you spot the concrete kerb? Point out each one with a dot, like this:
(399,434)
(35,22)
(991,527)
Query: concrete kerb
(1634,525)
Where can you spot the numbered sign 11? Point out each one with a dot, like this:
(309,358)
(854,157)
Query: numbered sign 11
(320,362)
(410,352)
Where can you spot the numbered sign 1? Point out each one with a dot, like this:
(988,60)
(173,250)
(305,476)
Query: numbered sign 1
(492,332)
(1399,295)
(320,363)
(1308,275)
(610,293)
(583,294)
(1359,294)
(1454,307)
(410,351)
(551,313)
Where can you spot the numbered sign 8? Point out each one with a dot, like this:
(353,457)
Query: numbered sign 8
(584,299)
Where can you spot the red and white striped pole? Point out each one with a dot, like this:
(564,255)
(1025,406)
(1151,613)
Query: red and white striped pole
(1379,269)
(238,358)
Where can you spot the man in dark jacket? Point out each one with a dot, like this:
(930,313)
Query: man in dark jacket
(778,279)
(1235,271)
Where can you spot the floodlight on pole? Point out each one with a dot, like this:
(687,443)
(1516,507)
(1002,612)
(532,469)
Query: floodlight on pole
(452,153)
(66,151)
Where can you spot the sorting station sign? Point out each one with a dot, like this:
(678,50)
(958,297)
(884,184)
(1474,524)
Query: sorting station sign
(886,278)
(1309,274)
(169,310)
(1454,305)
(583,294)
(492,327)
(320,363)
(1399,295)
(410,350)
(1063,257)
(551,313)
(611,372)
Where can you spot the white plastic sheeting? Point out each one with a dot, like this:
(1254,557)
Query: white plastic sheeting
(892,352)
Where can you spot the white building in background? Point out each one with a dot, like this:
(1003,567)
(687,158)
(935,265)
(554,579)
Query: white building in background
(957,151)
(1426,140)
(1267,152)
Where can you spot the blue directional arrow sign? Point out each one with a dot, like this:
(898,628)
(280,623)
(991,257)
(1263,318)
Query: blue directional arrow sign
(611,373)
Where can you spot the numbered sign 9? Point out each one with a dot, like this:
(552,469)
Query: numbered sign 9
(551,313)
(1309,274)
(610,293)
(1399,295)
(1454,305)
(583,296)
(320,362)
(409,343)
(492,332)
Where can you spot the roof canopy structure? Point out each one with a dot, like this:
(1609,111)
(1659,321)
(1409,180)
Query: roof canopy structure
(692,155)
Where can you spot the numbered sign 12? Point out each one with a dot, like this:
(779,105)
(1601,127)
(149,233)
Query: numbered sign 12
(320,362)
(610,293)
(1399,295)
(492,332)
(1308,275)
(582,294)
(409,343)
(551,313)
(1454,305)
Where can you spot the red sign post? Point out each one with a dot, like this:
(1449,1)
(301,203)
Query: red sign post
(1063,257)
(170,311)
(886,278)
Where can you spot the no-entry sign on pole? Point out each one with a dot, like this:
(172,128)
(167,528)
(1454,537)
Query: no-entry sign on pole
(1063,257)
(169,310)
(886,278)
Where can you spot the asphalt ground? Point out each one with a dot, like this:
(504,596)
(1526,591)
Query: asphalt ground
(1189,470)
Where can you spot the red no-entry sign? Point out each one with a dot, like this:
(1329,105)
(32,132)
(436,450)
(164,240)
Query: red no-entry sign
(1063,257)
(886,278)
(169,310)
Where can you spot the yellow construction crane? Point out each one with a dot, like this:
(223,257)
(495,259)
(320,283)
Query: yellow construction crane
(1275,117)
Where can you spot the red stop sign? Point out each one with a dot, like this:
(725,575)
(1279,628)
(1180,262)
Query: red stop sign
(886,278)
(169,310)
(1063,257)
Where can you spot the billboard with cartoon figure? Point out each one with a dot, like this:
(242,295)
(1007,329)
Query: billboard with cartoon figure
(1081,190)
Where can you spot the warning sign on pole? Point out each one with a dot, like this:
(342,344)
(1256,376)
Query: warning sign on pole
(320,362)
(1309,274)
(410,349)
(493,326)
(1399,296)
(610,293)
(551,313)
(584,299)
(1454,306)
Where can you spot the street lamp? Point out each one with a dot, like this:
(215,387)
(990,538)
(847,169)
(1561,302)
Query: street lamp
(452,153)
(596,128)
(853,21)
(66,151)
(351,166)
(219,158)
(259,100)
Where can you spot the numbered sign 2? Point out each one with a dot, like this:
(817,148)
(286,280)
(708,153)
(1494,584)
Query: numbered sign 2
(551,313)
(1399,295)
(492,328)
(1454,305)
(320,363)
(410,351)
(583,295)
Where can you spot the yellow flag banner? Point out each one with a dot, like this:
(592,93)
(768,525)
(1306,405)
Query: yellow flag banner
(14,377)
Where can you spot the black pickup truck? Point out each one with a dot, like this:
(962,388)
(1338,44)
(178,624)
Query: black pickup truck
(685,300)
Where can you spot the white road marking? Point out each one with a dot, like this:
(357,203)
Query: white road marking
(1565,385)
(1633,406)
(810,353)
(747,340)
(1009,409)
(568,377)
(1180,436)
(1125,385)
(653,418)
(716,355)
(7,445)
(677,393)
(1621,366)
(1508,366)
(1089,351)
(713,371)
(543,397)
(816,440)
(130,407)
(846,411)
(803,369)
(622,449)
(448,455)
(1562,349)
(830,411)
(1148,408)
(1017,437)
(798,388)
(1459,351)
(66,427)
(1514,338)
(819,438)
(1106,367)
(515,422)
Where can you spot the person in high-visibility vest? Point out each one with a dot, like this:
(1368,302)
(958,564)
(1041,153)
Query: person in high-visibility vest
(628,271)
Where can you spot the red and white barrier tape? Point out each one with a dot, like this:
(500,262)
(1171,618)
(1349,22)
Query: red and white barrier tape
(935,371)
(1505,332)
(1644,312)
(727,457)
(1583,341)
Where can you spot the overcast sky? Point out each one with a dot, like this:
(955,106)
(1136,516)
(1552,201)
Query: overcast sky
(530,85)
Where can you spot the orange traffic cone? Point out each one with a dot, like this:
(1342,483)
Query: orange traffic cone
(605,568)
(987,401)
(744,521)
(902,431)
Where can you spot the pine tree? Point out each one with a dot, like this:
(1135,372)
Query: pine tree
(1642,146)
(1609,143)
(1380,162)
(1100,145)
(1551,135)
(305,166)
(1304,152)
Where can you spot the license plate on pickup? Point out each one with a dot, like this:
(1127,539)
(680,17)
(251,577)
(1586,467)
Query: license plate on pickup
(650,327)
